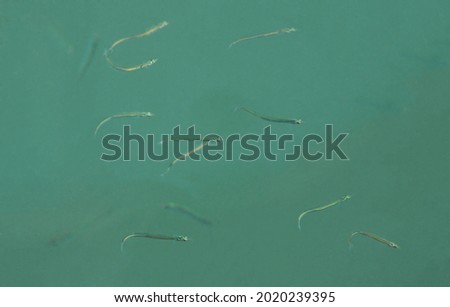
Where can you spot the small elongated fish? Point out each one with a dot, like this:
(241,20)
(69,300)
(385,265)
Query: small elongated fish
(334,203)
(153,236)
(88,56)
(187,212)
(120,41)
(270,118)
(184,156)
(278,32)
(131,114)
(128,69)
(374,237)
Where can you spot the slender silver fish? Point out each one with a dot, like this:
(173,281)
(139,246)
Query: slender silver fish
(270,118)
(343,198)
(153,236)
(273,33)
(131,114)
(374,237)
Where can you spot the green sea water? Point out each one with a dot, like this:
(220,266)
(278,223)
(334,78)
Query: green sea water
(377,70)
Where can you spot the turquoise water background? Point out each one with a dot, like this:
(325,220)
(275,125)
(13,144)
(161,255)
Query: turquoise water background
(378,70)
